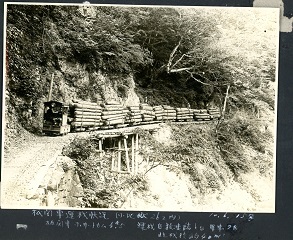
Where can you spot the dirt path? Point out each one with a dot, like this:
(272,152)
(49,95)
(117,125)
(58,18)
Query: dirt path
(27,161)
(21,168)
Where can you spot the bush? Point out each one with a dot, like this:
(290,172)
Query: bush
(102,188)
(192,146)
(234,134)
(80,149)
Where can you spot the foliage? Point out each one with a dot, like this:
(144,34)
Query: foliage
(111,39)
(211,155)
(235,134)
(81,149)
(102,188)
(178,51)
(191,147)
(23,64)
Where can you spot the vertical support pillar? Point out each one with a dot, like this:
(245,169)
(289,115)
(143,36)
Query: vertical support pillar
(51,88)
(100,148)
(113,162)
(126,154)
(119,155)
(132,154)
(136,153)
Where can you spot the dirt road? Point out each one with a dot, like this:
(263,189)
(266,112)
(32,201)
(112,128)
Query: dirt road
(27,161)
(21,166)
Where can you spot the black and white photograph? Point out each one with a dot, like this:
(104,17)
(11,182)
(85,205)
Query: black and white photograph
(164,108)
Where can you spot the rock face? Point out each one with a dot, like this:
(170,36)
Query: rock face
(61,184)
(76,81)
(73,81)
(70,190)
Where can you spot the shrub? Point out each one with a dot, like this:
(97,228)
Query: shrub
(102,188)
(234,134)
(191,145)
(81,149)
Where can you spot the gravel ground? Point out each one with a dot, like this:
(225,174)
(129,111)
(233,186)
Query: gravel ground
(21,165)
(24,163)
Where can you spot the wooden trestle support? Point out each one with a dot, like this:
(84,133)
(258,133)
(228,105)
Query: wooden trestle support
(125,152)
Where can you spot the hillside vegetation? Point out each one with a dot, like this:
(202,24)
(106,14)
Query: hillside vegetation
(209,159)
(197,57)
(176,56)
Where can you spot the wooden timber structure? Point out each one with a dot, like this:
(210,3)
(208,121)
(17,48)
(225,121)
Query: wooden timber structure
(124,145)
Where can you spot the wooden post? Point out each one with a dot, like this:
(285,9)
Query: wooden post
(113,162)
(132,154)
(119,155)
(51,88)
(225,101)
(136,153)
(126,154)
(100,148)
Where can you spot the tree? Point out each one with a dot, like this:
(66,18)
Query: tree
(180,42)
(26,50)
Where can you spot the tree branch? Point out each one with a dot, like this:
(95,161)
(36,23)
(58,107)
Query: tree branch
(191,75)
(179,60)
(180,70)
(172,56)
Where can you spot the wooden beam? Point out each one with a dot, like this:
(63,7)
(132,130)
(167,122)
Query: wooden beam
(126,154)
(225,101)
(132,154)
(119,156)
(136,153)
(100,148)
(113,162)
(123,172)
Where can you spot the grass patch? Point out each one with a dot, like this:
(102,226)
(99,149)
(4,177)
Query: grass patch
(238,134)
(194,152)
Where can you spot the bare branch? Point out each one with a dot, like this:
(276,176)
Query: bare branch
(191,75)
(179,60)
(180,69)
(172,55)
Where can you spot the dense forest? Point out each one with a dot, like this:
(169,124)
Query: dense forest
(174,55)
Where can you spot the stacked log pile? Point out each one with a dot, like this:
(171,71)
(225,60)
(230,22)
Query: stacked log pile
(113,113)
(133,115)
(159,113)
(215,113)
(184,114)
(147,112)
(201,114)
(87,115)
(169,113)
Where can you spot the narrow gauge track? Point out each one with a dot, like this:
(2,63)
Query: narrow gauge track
(118,130)
(82,116)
